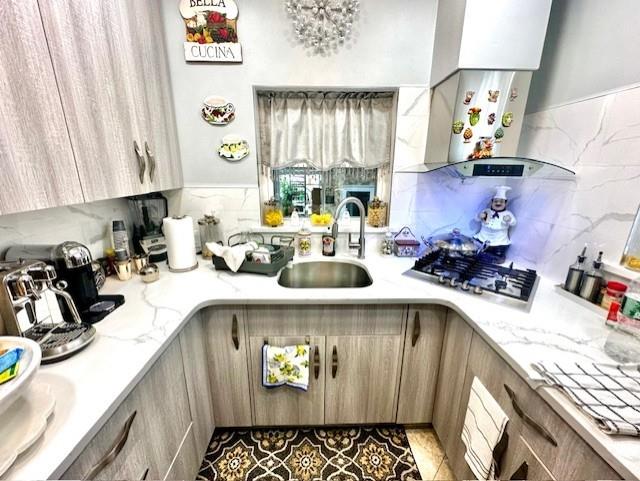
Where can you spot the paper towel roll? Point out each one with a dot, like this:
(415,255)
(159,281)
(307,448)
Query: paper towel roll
(181,244)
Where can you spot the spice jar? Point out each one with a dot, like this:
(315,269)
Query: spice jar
(387,244)
(613,292)
(303,241)
(377,215)
(272,213)
(208,227)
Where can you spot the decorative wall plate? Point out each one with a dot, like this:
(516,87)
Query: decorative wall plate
(493,95)
(468,96)
(217,111)
(233,148)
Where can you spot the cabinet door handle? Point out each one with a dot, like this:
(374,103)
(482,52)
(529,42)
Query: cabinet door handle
(144,475)
(541,430)
(142,165)
(316,362)
(416,329)
(152,161)
(114,451)
(234,332)
(334,362)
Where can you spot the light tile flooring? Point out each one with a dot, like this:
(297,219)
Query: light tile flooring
(429,455)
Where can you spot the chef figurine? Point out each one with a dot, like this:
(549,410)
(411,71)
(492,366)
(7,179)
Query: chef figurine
(495,223)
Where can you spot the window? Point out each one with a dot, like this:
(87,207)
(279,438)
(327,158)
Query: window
(317,148)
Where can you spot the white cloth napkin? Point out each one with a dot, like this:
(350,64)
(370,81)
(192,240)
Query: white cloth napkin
(484,425)
(233,256)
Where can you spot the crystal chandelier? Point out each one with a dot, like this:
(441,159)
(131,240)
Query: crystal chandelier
(323,25)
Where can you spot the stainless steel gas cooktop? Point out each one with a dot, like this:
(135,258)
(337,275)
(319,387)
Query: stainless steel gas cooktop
(478,275)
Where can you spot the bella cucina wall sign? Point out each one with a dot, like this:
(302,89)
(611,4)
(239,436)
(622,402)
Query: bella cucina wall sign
(212,30)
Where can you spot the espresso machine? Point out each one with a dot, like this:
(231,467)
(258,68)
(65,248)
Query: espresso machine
(147,212)
(72,263)
(29,307)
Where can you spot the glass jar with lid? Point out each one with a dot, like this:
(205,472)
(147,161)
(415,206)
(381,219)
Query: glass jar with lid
(272,213)
(303,241)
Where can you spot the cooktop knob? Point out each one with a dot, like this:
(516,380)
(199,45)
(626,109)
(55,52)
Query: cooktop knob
(453,282)
(442,279)
(465,285)
(477,290)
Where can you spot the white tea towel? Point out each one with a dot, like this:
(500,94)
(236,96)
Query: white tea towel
(608,393)
(285,365)
(233,256)
(484,426)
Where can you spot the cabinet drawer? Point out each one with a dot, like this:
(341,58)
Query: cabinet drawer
(186,463)
(118,450)
(572,458)
(128,445)
(520,462)
(319,320)
(284,405)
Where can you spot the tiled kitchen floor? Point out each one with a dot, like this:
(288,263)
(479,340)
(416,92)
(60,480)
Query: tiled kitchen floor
(429,455)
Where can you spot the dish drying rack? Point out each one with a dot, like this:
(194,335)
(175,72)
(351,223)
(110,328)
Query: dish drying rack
(280,249)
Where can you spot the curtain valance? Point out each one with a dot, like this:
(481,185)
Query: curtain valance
(324,130)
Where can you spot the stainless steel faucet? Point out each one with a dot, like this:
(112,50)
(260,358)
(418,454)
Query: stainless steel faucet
(334,228)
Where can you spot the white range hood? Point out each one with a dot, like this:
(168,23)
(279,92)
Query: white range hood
(483,60)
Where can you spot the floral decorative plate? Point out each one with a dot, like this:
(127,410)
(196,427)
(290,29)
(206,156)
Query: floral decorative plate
(233,148)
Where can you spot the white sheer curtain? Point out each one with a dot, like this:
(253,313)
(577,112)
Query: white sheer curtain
(324,130)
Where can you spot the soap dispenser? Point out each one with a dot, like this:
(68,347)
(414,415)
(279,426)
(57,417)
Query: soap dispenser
(592,281)
(576,273)
(328,243)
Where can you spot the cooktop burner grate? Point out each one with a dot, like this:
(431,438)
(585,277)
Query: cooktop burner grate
(478,274)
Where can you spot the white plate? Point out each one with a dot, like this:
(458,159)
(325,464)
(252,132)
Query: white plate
(24,423)
(29,364)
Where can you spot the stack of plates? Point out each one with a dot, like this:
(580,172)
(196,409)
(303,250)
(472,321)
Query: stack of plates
(24,406)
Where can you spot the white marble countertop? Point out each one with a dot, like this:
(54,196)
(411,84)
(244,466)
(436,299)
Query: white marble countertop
(90,386)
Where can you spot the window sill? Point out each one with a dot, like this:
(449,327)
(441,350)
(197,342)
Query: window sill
(289,228)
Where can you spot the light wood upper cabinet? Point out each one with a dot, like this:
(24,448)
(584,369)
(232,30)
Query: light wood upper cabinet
(154,102)
(36,160)
(363,373)
(91,49)
(420,365)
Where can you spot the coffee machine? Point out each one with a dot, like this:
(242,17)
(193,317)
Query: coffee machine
(147,212)
(29,307)
(72,262)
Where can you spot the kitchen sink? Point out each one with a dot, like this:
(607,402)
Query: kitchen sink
(324,274)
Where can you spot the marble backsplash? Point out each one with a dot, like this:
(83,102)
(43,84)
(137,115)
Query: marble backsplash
(88,224)
(599,138)
(238,208)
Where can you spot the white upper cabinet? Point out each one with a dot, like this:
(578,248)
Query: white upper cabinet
(36,159)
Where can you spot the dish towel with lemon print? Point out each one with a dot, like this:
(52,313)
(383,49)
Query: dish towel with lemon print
(285,365)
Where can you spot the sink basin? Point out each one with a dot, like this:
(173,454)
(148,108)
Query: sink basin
(323,275)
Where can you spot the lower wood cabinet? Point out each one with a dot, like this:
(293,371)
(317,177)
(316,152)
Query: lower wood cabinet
(362,379)
(538,437)
(420,364)
(287,406)
(228,365)
(186,462)
(147,429)
(453,367)
(196,371)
